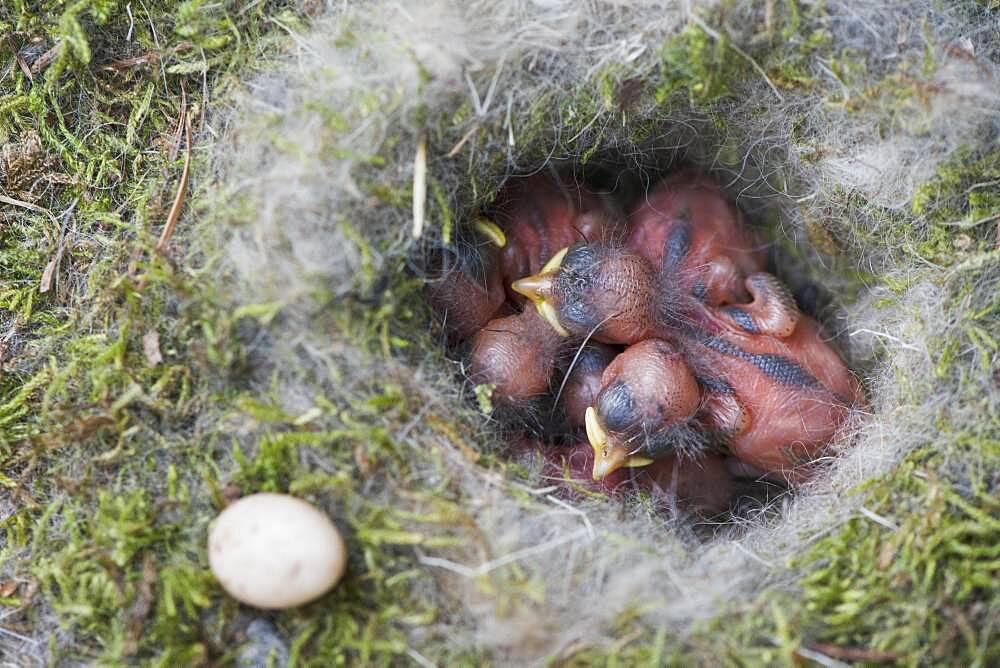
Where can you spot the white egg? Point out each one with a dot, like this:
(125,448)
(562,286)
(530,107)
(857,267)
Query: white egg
(275,551)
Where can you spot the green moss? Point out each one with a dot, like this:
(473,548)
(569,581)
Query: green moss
(963,193)
(921,584)
(116,463)
(699,65)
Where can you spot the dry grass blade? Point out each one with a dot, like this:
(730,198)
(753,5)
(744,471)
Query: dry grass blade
(175,139)
(24,68)
(175,210)
(461,142)
(52,268)
(419,186)
(26,205)
(860,654)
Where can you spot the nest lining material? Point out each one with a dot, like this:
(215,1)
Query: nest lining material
(323,170)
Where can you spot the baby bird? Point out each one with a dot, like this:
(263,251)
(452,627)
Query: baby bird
(599,290)
(582,383)
(470,289)
(541,214)
(517,354)
(703,486)
(645,409)
(774,401)
(779,401)
(690,232)
(686,246)
(533,218)
(621,298)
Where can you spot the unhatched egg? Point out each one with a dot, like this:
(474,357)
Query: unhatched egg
(275,551)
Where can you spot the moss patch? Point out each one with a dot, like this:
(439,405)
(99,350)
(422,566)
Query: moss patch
(132,405)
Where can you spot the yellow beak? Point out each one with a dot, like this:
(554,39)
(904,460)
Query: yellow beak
(538,287)
(491,231)
(608,457)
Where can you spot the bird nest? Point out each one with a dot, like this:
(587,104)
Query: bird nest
(833,127)
(569,313)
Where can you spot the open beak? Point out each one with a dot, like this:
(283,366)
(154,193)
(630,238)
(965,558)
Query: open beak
(491,231)
(538,288)
(608,457)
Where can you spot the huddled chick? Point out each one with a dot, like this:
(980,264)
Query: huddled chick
(675,348)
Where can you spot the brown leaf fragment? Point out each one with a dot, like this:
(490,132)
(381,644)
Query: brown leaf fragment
(144,599)
(364,463)
(629,92)
(137,61)
(231,493)
(50,271)
(886,556)
(46,59)
(85,427)
(151,347)
(8,588)
(24,68)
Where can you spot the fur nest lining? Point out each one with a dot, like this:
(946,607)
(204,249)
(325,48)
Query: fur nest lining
(320,159)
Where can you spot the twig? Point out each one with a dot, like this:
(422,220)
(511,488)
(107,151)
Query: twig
(24,68)
(175,210)
(820,658)
(966,224)
(878,519)
(461,142)
(52,268)
(131,22)
(575,511)
(509,123)
(46,58)
(18,636)
(175,141)
(420,658)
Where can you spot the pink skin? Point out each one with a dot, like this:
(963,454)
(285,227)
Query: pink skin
(578,461)
(703,485)
(541,215)
(646,389)
(720,250)
(464,303)
(779,427)
(779,399)
(517,354)
(769,382)
(584,382)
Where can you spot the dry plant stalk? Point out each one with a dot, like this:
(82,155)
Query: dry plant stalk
(175,210)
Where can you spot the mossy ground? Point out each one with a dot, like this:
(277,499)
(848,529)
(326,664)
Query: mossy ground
(113,462)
